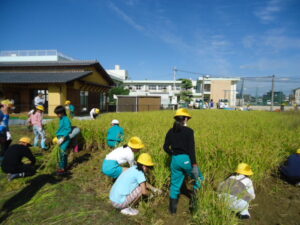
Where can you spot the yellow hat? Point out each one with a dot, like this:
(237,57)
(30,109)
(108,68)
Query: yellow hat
(25,140)
(40,107)
(244,168)
(6,102)
(298,151)
(145,159)
(182,112)
(97,111)
(136,143)
(67,102)
(55,140)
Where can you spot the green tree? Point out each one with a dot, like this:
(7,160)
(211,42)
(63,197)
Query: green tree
(117,91)
(186,94)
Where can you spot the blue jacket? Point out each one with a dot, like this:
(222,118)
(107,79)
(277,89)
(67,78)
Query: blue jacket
(4,120)
(115,133)
(292,166)
(65,127)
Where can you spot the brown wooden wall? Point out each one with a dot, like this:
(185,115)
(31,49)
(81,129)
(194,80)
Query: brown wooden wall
(148,103)
(144,103)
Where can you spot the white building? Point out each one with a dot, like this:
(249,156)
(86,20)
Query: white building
(297,95)
(33,56)
(118,75)
(166,89)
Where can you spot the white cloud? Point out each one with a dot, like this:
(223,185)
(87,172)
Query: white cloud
(125,17)
(267,14)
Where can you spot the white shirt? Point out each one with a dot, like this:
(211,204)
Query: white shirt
(92,112)
(39,101)
(247,182)
(121,155)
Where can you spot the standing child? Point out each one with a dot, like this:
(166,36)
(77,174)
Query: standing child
(63,132)
(112,163)
(70,109)
(5,136)
(115,134)
(36,120)
(180,144)
(238,190)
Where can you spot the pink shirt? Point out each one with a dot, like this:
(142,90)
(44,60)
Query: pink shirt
(36,119)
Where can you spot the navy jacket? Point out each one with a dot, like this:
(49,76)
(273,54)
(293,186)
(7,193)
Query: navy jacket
(292,166)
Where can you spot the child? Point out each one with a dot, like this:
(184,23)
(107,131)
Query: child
(12,162)
(180,144)
(131,185)
(238,190)
(63,132)
(115,134)
(94,113)
(111,164)
(36,120)
(290,171)
(70,109)
(5,136)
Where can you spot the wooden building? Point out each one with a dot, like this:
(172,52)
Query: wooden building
(138,103)
(84,83)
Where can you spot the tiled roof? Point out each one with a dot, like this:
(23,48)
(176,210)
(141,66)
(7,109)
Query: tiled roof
(41,77)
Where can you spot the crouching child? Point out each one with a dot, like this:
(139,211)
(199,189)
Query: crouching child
(131,185)
(237,190)
(12,161)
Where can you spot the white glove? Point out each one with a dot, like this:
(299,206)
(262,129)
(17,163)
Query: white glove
(157,191)
(61,140)
(8,136)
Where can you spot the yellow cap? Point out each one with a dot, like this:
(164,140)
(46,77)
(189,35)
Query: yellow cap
(25,140)
(298,151)
(67,102)
(97,111)
(244,168)
(136,143)
(55,140)
(145,159)
(182,112)
(40,107)
(6,102)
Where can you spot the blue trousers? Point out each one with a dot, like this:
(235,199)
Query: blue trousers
(111,168)
(63,162)
(181,167)
(39,133)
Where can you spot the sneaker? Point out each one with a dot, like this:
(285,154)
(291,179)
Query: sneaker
(242,217)
(130,211)
(12,176)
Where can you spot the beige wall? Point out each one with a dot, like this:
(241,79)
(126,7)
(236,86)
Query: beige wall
(57,95)
(218,89)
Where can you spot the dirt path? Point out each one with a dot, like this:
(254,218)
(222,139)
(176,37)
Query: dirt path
(276,205)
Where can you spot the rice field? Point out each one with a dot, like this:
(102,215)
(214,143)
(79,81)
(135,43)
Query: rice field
(223,139)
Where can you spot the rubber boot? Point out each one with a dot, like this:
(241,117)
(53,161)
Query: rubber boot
(173,205)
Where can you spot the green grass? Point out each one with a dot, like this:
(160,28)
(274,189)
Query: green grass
(223,139)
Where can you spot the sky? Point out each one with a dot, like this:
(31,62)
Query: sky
(150,37)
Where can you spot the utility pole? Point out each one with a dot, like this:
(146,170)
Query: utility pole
(272,94)
(174,78)
(203,89)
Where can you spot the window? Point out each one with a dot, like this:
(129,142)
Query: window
(84,95)
(152,87)
(162,87)
(138,87)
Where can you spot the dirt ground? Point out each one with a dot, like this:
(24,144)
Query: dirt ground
(276,204)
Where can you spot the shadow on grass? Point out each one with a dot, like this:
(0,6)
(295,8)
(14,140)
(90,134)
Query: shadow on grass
(78,160)
(26,194)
